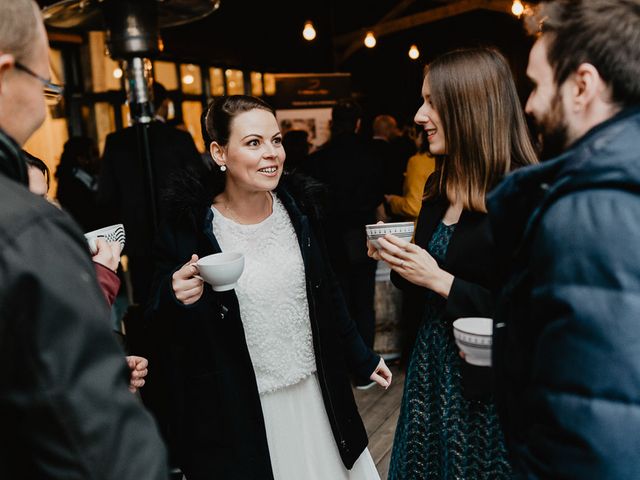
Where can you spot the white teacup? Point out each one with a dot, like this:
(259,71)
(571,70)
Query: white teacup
(112,233)
(403,230)
(221,270)
(474,336)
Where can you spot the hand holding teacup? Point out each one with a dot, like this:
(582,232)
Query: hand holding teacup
(414,264)
(187,286)
(107,253)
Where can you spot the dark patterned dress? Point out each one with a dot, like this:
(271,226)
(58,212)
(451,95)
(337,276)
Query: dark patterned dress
(441,434)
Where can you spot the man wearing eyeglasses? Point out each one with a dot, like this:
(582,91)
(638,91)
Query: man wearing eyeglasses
(65,409)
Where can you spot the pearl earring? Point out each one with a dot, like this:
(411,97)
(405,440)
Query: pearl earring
(223,168)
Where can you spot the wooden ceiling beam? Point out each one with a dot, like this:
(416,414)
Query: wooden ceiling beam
(397,10)
(354,40)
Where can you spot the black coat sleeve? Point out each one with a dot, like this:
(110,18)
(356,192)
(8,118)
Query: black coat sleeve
(66,398)
(362,361)
(468,299)
(168,259)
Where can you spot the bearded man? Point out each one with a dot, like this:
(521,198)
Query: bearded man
(567,328)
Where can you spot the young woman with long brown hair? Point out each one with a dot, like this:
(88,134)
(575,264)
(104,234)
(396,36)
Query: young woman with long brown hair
(448,426)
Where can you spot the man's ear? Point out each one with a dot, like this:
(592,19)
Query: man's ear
(588,86)
(7,61)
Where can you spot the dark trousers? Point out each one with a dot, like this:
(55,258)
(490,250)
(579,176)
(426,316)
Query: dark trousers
(358,284)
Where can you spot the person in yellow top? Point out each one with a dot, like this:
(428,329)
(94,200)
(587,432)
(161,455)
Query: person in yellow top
(419,167)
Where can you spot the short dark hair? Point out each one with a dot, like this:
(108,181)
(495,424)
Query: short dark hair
(159,94)
(217,128)
(223,110)
(604,33)
(35,162)
(344,116)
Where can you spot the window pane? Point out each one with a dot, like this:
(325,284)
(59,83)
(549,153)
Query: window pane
(191,112)
(235,82)
(256,84)
(105,122)
(191,79)
(217,81)
(269,84)
(105,72)
(165,73)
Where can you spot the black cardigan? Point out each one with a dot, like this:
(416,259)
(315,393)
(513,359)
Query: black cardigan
(217,420)
(470,258)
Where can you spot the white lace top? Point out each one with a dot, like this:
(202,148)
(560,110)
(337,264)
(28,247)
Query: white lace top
(272,296)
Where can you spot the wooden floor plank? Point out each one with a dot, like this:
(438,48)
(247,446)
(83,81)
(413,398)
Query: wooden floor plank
(380,410)
(381,441)
(383,466)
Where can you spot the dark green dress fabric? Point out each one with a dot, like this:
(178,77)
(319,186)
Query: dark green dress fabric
(441,434)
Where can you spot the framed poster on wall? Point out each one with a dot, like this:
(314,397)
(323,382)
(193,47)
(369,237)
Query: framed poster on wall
(315,121)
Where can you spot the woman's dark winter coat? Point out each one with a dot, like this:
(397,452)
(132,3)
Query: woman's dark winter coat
(217,424)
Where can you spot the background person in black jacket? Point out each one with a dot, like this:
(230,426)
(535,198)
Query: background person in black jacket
(259,386)
(123,190)
(448,272)
(65,409)
(567,332)
(77,176)
(353,174)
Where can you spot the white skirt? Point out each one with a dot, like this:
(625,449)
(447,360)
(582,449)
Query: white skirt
(301,444)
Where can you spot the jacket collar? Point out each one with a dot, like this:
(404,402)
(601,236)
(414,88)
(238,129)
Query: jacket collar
(606,156)
(12,163)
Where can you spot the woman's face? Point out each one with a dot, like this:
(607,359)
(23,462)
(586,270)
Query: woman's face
(254,156)
(428,118)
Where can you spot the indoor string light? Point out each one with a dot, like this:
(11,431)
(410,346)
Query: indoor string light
(414,53)
(517,8)
(370,40)
(308,32)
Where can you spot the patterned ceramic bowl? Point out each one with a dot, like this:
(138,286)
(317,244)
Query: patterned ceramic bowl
(403,230)
(474,337)
(112,233)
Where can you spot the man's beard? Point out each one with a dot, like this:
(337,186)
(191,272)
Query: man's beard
(552,130)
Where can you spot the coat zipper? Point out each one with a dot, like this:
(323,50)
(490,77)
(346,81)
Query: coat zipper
(342,442)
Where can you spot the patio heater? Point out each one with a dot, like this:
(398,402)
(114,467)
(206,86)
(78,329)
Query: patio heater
(133,36)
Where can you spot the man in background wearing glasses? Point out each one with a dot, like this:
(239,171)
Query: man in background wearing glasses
(65,410)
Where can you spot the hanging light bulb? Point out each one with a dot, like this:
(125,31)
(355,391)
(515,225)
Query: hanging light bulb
(309,33)
(117,73)
(517,8)
(188,79)
(370,40)
(414,53)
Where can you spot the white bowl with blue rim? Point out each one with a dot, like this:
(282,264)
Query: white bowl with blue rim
(474,336)
(402,230)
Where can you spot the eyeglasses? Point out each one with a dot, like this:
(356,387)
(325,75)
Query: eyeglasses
(52,91)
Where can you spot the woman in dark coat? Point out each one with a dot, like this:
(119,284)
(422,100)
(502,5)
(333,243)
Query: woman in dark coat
(448,426)
(260,380)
